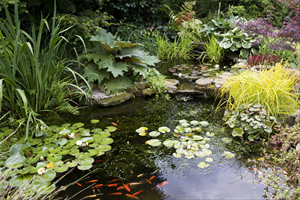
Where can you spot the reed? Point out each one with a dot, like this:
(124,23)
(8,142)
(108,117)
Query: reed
(213,51)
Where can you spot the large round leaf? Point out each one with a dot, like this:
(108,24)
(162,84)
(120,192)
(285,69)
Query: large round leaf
(78,125)
(61,141)
(154,133)
(84,167)
(110,129)
(87,161)
(46,189)
(169,143)
(204,123)
(73,163)
(54,157)
(154,142)
(87,139)
(103,147)
(85,133)
(163,129)
(237,132)
(107,141)
(62,168)
(65,132)
(48,176)
(17,181)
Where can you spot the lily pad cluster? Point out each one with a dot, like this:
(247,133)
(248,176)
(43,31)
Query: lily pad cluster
(186,140)
(193,72)
(40,159)
(249,121)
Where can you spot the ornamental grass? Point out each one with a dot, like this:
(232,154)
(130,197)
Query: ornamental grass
(274,89)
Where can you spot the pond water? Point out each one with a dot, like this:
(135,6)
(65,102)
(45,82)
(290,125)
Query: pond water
(133,161)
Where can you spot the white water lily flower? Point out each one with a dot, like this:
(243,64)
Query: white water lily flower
(72,136)
(79,143)
(85,144)
(41,158)
(41,171)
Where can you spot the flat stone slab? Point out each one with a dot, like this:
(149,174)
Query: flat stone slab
(203,81)
(115,99)
(171,85)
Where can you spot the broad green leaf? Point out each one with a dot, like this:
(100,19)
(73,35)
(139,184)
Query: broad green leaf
(117,84)
(209,159)
(54,157)
(107,141)
(86,161)
(78,125)
(237,132)
(92,73)
(163,129)
(228,154)
(73,163)
(199,154)
(87,139)
(48,176)
(203,165)
(226,140)
(106,39)
(84,167)
(118,69)
(65,132)
(204,123)
(85,133)
(61,141)
(94,121)
(153,142)
(177,155)
(154,133)
(169,143)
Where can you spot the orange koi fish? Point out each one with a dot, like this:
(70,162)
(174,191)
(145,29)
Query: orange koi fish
(92,181)
(118,129)
(140,175)
(114,124)
(79,184)
(99,161)
(161,184)
(130,195)
(151,178)
(121,187)
(137,193)
(112,185)
(113,180)
(148,181)
(116,193)
(126,187)
(96,186)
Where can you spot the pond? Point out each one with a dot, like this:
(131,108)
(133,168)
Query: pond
(154,170)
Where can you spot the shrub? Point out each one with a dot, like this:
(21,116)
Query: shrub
(263,59)
(272,89)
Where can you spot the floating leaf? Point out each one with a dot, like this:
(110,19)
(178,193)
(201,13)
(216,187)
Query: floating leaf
(85,133)
(197,137)
(189,155)
(18,181)
(177,155)
(87,139)
(143,134)
(140,130)
(97,130)
(209,134)
(228,154)
(169,143)
(84,167)
(209,159)
(153,142)
(226,139)
(197,129)
(206,152)
(65,132)
(182,121)
(103,147)
(195,122)
(188,130)
(180,151)
(185,124)
(66,125)
(78,125)
(154,133)
(199,154)
(163,129)
(204,146)
(94,121)
(54,157)
(107,141)
(203,165)
(110,129)
(204,123)
(86,161)
(73,163)
(61,141)
(62,168)
(48,176)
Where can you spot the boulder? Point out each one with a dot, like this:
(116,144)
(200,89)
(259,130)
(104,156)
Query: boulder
(171,85)
(293,119)
(115,99)
(148,92)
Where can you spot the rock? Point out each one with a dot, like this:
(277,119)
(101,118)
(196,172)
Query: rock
(206,74)
(135,91)
(140,85)
(148,92)
(201,85)
(293,119)
(171,85)
(115,99)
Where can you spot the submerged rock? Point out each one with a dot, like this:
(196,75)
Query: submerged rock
(116,99)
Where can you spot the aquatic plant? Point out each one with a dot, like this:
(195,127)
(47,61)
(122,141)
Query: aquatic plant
(110,62)
(55,151)
(213,50)
(188,140)
(272,89)
(250,122)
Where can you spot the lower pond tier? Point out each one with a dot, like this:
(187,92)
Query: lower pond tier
(228,169)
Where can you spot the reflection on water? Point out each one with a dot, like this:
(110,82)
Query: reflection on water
(132,161)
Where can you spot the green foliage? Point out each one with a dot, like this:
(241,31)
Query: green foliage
(213,50)
(272,89)
(110,61)
(158,83)
(33,67)
(181,48)
(40,160)
(250,122)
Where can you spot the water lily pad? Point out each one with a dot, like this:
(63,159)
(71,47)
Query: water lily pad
(197,137)
(63,152)
(177,155)
(66,125)
(107,141)
(93,152)
(61,168)
(199,154)
(52,150)
(206,152)
(185,124)
(94,121)
(180,151)
(110,129)
(105,134)
(61,141)
(189,155)
(204,146)
(100,153)
(17,181)
(97,130)
(73,152)
(48,176)
(143,134)
(87,139)
(182,121)
(64,132)
(154,142)
(209,159)
(228,154)
(73,163)
(85,133)
(163,129)
(45,189)
(169,143)
(226,139)
(78,125)
(210,134)
(195,122)
(204,123)
(140,130)
(203,165)
(103,147)
(188,130)
(54,157)
(197,129)
(179,129)
(84,167)
(86,161)
(154,133)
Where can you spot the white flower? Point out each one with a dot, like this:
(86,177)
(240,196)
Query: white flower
(41,158)
(85,144)
(41,171)
(180,74)
(72,136)
(79,143)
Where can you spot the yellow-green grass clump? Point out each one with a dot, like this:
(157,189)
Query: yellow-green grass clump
(274,89)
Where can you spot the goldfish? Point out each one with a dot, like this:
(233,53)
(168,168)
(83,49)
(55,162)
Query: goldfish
(162,183)
(140,175)
(99,161)
(116,193)
(130,195)
(135,183)
(126,187)
(114,124)
(113,180)
(112,185)
(121,187)
(148,181)
(92,181)
(152,177)
(137,192)
(96,186)
(79,184)
(118,129)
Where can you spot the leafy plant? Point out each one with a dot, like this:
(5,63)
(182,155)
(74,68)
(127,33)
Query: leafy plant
(55,151)
(181,48)
(262,59)
(250,122)
(213,50)
(33,68)
(110,62)
(272,89)
(158,83)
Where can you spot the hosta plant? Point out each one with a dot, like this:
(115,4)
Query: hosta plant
(250,122)
(111,62)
